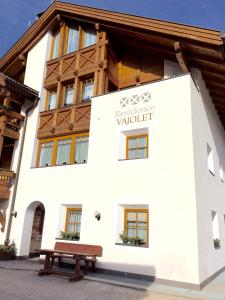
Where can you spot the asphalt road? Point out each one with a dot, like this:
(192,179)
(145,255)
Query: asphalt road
(27,285)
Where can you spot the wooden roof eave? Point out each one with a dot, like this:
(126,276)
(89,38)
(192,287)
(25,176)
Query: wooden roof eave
(177,31)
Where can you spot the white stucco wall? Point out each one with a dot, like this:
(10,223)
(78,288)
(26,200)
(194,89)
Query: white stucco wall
(210,190)
(164,183)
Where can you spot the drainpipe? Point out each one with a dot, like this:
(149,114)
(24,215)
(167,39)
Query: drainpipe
(11,211)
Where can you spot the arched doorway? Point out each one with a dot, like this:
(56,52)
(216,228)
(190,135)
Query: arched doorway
(26,241)
(37,229)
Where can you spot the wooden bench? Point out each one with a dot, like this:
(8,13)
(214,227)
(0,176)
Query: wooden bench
(91,252)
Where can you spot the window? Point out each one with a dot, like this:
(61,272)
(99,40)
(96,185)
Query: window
(87,89)
(210,160)
(136,224)
(55,44)
(81,151)
(73,220)
(89,37)
(68,98)
(137,146)
(72,39)
(46,154)
(215,228)
(51,99)
(63,150)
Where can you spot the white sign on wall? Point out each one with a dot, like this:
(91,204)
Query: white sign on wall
(135,108)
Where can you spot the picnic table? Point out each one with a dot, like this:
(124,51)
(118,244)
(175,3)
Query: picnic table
(48,266)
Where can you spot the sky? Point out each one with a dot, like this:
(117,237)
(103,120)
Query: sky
(16,15)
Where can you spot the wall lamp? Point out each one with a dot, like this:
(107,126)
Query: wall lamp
(97,215)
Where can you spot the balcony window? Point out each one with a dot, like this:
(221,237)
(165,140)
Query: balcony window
(55,44)
(87,89)
(46,150)
(89,37)
(81,151)
(63,152)
(51,100)
(72,40)
(137,146)
(69,92)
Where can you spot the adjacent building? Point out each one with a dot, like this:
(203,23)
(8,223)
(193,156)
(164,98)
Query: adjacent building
(112,133)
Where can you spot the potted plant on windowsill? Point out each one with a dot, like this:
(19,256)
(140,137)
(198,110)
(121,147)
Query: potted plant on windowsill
(74,236)
(134,241)
(7,251)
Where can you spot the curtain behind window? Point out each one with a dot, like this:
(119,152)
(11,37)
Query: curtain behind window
(72,43)
(55,49)
(46,154)
(68,95)
(81,151)
(52,100)
(63,152)
(89,37)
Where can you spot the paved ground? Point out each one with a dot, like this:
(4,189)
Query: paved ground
(19,280)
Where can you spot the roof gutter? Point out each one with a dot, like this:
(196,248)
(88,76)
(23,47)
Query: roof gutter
(12,206)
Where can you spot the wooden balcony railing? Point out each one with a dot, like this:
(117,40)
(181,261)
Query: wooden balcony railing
(64,120)
(83,61)
(6,179)
(10,123)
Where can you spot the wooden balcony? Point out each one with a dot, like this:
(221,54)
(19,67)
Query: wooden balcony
(81,62)
(10,123)
(64,120)
(6,178)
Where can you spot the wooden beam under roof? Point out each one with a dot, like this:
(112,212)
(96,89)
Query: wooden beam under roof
(215,86)
(206,66)
(213,77)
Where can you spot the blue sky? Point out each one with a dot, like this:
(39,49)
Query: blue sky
(15,15)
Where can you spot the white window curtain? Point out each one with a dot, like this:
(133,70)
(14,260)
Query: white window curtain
(89,37)
(68,95)
(56,45)
(88,90)
(72,43)
(74,221)
(52,100)
(137,147)
(63,152)
(46,154)
(81,152)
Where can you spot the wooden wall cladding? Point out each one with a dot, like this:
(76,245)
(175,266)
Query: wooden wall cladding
(64,121)
(139,67)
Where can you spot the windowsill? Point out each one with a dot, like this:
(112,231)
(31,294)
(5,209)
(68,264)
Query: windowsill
(130,159)
(66,107)
(62,239)
(63,165)
(132,245)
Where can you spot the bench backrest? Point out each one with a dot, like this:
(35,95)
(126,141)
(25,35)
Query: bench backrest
(81,248)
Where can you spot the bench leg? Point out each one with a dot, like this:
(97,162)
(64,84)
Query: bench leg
(59,261)
(93,266)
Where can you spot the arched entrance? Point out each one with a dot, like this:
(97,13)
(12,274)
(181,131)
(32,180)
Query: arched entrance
(32,229)
(37,229)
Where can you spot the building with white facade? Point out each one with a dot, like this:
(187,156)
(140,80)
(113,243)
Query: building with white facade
(125,147)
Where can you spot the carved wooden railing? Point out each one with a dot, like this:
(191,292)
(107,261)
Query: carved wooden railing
(65,120)
(83,61)
(6,179)
(10,123)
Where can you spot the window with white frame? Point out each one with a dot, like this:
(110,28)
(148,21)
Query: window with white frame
(210,160)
